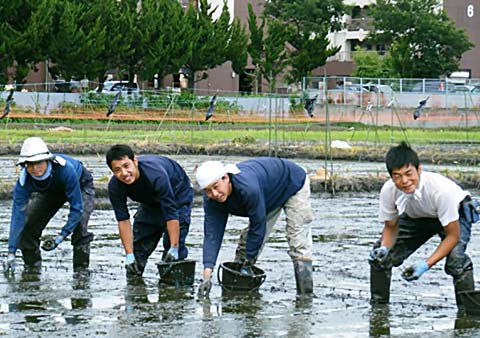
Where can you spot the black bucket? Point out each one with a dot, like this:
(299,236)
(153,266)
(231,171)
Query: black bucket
(471,302)
(178,273)
(231,280)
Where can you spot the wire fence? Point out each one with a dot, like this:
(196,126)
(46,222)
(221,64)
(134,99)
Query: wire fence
(324,105)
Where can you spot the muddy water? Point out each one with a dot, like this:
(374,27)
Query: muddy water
(61,304)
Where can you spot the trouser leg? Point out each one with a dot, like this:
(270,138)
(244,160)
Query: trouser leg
(241,251)
(145,239)
(41,208)
(380,285)
(412,234)
(299,217)
(458,264)
(184,219)
(81,237)
(303,276)
(464,282)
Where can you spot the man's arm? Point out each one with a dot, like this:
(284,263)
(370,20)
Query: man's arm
(173,229)
(390,233)
(126,235)
(452,231)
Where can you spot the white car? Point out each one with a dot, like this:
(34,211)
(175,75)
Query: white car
(114,86)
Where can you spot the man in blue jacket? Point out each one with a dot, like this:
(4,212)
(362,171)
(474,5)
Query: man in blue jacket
(56,179)
(165,194)
(258,189)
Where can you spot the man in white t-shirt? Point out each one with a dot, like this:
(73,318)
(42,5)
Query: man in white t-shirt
(415,205)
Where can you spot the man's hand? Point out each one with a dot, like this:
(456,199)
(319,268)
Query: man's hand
(414,271)
(204,289)
(9,264)
(131,265)
(50,243)
(378,255)
(247,268)
(172,255)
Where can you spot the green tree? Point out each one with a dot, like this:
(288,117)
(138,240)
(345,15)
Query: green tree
(18,52)
(267,50)
(237,51)
(79,38)
(423,41)
(309,22)
(168,49)
(211,42)
(274,58)
(371,64)
(255,45)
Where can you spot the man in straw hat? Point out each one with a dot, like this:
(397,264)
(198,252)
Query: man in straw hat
(416,205)
(258,189)
(56,179)
(165,194)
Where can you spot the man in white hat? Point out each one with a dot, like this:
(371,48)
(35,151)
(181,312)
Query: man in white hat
(56,179)
(258,189)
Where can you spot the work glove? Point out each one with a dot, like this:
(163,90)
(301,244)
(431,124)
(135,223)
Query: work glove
(172,255)
(247,268)
(50,243)
(131,265)
(414,271)
(378,255)
(204,289)
(9,264)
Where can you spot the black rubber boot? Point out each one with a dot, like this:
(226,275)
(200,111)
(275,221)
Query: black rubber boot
(464,282)
(303,276)
(380,285)
(33,261)
(81,257)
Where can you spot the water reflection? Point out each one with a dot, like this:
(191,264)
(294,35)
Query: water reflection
(379,321)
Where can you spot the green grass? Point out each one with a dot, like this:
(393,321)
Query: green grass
(202,135)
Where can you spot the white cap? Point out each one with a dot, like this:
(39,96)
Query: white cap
(210,171)
(34,149)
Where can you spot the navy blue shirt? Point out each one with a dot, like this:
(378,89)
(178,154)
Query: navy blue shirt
(263,185)
(163,185)
(63,179)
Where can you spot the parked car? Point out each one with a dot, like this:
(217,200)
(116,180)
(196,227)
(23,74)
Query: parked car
(62,86)
(433,86)
(114,86)
(467,89)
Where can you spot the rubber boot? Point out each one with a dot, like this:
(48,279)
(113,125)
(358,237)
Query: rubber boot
(380,285)
(303,276)
(33,261)
(464,282)
(81,257)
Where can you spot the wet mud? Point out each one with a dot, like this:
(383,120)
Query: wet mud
(60,303)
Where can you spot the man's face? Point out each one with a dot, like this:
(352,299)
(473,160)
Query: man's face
(126,170)
(37,168)
(407,178)
(220,189)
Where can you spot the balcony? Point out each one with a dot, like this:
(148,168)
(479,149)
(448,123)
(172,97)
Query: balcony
(359,23)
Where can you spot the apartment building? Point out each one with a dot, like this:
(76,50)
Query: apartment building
(358,24)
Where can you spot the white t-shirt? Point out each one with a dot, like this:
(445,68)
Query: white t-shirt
(436,197)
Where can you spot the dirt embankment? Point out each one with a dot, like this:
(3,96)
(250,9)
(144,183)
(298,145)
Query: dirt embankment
(320,183)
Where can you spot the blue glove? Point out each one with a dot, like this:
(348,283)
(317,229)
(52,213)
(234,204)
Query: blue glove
(131,265)
(50,244)
(9,264)
(414,271)
(247,268)
(172,255)
(379,255)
